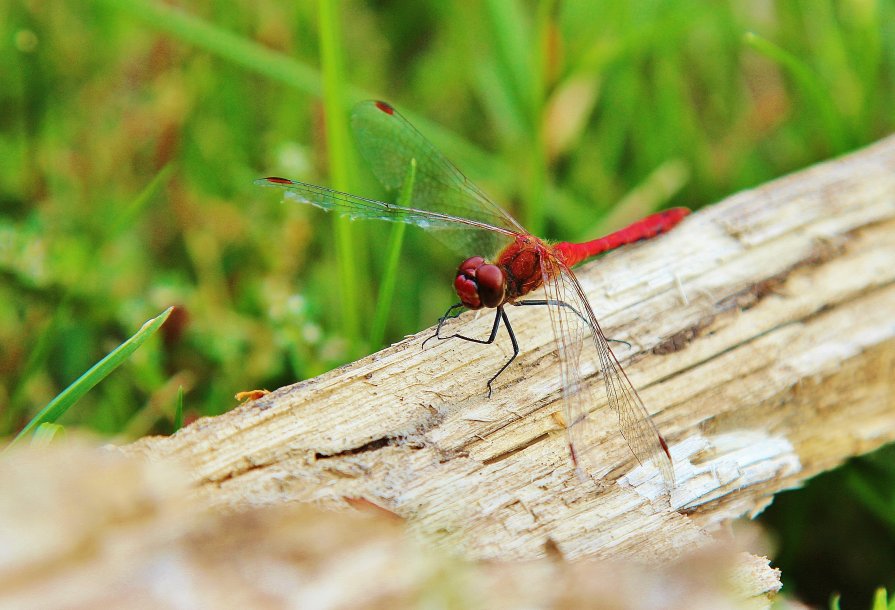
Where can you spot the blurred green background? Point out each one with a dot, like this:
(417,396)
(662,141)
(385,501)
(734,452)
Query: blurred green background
(130,134)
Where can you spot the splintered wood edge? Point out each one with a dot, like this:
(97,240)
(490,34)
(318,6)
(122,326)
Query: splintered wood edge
(758,333)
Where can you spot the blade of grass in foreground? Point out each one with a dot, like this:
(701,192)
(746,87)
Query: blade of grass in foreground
(46,433)
(97,373)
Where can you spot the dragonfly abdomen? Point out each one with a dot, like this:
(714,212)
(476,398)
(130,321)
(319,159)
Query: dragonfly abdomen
(648,227)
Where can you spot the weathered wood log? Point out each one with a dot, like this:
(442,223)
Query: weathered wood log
(760,334)
(761,337)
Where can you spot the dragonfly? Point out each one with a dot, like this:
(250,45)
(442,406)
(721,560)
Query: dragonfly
(508,265)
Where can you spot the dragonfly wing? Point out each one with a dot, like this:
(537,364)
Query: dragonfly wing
(355,207)
(388,142)
(579,337)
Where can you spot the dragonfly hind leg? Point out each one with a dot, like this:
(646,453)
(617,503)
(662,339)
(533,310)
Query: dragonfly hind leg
(500,314)
(554,302)
(567,306)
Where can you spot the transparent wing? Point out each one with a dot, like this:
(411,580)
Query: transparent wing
(388,142)
(355,207)
(578,335)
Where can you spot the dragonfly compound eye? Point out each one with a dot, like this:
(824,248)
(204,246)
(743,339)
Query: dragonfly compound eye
(479,285)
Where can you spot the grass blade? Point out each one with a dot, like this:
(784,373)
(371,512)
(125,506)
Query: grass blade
(393,251)
(93,376)
(178,410)
(338,150)
(880,600)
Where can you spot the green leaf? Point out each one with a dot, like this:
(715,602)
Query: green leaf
(97,373)
(339,155)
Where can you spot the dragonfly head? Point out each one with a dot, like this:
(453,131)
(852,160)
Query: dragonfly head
(479,284)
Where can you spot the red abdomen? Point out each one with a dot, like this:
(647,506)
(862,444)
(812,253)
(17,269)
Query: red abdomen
(648,227)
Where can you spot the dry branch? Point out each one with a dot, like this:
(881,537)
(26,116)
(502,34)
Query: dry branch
(761,337)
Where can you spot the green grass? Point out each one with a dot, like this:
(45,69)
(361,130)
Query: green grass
(83,384)
(880,601)
(392,256)
(131,132)
(340,161)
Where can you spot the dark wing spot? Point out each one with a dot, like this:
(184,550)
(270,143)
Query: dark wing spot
(385,107)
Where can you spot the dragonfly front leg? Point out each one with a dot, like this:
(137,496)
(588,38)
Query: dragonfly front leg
(450,314)
(500,314)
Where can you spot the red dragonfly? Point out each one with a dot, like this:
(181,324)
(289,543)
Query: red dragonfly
(460,214)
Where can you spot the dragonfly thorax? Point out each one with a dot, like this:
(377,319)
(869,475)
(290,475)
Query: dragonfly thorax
(480,284)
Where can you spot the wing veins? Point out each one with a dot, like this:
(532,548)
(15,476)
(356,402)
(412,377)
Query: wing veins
(355,206)
(637,427)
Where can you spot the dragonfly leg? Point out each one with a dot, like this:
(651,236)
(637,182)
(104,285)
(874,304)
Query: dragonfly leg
(487,341)
(506,322)
(450,314)
(554,302)
(500,314)
(566,305)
